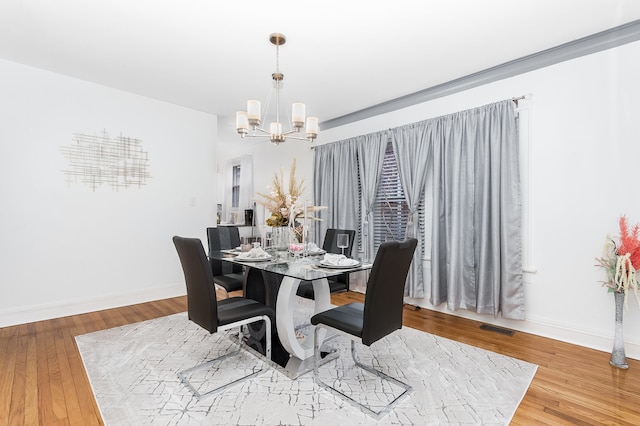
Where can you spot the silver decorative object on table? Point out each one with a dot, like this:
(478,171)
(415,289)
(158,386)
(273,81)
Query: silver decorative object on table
(281,237)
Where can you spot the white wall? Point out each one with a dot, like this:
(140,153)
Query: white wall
(67,249)
(585,146)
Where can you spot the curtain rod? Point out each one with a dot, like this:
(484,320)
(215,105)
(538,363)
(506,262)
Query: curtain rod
(518,98)
(515,99)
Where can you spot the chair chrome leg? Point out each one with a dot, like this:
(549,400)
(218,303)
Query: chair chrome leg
(407,389)
(182,375)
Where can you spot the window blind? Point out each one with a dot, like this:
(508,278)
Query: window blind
(391,211)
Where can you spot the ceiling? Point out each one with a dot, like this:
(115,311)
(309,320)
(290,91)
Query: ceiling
(340,56)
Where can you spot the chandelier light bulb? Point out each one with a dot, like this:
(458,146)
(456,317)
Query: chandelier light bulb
(275,128)
(312,128)
(297,115)
(242,123)
(253,112)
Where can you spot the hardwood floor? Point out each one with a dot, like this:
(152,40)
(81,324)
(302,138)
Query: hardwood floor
(43,381)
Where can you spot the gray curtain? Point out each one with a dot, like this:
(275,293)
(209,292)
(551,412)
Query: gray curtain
(335,185)
(476,259)
(476,255)
(412,149)
(371,150)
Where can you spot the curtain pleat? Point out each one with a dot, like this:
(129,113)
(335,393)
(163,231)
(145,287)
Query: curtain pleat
(412,149)
(335,185)
(322,187)
(371,149)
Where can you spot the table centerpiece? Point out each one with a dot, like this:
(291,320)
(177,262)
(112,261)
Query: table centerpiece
(289,211)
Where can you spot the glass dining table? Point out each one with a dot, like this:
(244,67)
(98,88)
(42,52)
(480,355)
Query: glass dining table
(274,282)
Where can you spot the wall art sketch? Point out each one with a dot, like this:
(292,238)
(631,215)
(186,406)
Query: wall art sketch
(96,160)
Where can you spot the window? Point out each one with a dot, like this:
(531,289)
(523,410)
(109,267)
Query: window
(391,211)
(235,186)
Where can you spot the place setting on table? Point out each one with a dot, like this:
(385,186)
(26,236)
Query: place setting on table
(255,254)
(338,261)
(296,251)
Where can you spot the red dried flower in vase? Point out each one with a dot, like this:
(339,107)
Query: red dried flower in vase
(629,242)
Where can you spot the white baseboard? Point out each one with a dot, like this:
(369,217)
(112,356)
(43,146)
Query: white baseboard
(543,328)
(27,314)
(576,336)
(539,327)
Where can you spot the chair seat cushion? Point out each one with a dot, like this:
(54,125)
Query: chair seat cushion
(230,282)
(305,289)
(348,318)
(238,308)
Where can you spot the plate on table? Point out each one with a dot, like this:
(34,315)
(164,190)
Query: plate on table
(253,259)
(309,253)
(232,252)
(316,253)
(332,266)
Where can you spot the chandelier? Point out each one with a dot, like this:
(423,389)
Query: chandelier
(252,118)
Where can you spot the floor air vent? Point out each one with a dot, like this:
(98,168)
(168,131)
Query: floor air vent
(497,329)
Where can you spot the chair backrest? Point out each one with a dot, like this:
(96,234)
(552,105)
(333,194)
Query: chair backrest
(330,244)
(383,301)
(223,238)
(202,304)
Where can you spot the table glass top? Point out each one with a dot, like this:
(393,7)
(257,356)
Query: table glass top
(303,268)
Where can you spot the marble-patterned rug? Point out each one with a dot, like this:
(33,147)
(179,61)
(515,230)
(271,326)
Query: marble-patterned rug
(132,370)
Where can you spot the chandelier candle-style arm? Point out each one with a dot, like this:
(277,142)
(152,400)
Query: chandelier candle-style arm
(253,113)
(242,123)
(312,128)
(248,123)
(297,115)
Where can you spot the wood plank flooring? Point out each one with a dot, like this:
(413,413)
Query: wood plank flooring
(43,381)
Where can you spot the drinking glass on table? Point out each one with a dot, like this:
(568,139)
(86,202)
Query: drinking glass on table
(268,242)
(343,242)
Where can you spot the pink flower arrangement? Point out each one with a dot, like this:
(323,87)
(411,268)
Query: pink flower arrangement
(621,260)
(629,242)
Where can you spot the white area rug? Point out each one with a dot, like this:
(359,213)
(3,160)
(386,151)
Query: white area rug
(132,370)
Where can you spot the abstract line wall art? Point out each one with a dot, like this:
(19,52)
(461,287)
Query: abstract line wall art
(97,160)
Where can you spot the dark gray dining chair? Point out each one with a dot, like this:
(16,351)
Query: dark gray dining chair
(330,245)
(226,275)
(380,315)
(205,310)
